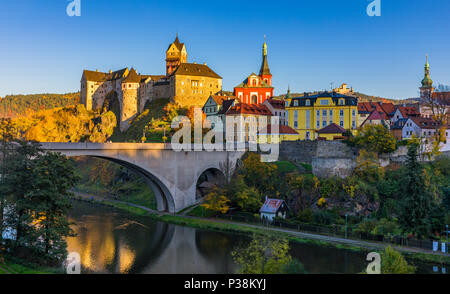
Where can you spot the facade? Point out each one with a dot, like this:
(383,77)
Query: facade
(277,107)
(255,89)
(277,134)
(376,118)
(273,208)
(310,113)
(425,128)
(248,120)
(126,92)
(404,112)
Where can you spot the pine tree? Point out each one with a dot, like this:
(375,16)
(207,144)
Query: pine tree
(417,202)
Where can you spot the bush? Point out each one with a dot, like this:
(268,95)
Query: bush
(306,215)
(367,226)
(324,217)
(386,227)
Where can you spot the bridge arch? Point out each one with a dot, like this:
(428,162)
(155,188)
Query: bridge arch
(164,199)
(208,178)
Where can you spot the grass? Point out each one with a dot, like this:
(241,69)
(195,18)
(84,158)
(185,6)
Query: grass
(285,166)
(200,211)
(13,265)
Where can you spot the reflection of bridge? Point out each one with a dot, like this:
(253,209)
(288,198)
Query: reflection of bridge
(173,176)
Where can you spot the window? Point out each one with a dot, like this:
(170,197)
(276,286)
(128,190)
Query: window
(341,112)
(353,112)
(324,102)
(341,101)
(324,112)
(307,102)
(254,99)
(287,103)
(341,123)
(295,102)
(324,123)
(307,119)
(353,124)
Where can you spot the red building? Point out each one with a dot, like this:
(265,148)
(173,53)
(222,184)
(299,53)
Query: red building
(255,89)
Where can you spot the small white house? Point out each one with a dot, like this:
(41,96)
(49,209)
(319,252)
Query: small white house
(273,208)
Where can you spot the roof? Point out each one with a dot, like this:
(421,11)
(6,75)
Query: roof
(96,76)
(282,130)
(245,84)
(132,77)
(387,108)
(424,122)
(271,205)
(177,44)
(244,108)
(375,115)
(226,105)
(194,69)
(408,111)
(265,70)
(277,104)
(218,99)
(335,96)
(152,77)
(332,129)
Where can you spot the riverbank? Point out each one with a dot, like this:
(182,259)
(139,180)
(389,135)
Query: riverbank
(294,236)
(13,265)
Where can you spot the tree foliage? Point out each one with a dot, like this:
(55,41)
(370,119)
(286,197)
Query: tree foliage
(393,262)
(375,138)
(216,201)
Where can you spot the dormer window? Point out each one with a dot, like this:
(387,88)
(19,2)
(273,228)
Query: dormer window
(295,102)
(341,101)
(307,102)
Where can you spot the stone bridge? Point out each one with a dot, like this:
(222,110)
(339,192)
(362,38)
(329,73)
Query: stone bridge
(173,176)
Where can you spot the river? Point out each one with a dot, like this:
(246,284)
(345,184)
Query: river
(112,241)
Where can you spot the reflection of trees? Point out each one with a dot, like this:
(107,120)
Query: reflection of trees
(216,247)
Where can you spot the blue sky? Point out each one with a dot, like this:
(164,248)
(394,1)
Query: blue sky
(310,43)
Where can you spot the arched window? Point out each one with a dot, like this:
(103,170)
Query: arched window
(255,99)
(254,82)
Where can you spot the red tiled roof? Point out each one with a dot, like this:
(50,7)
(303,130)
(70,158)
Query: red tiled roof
(220,98)
(385,108)
(271,205)
(375,115)
(244,108)
(332,129)
(282,129)
(424,122)
(408,111)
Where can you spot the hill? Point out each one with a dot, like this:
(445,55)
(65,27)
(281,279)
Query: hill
(12,106)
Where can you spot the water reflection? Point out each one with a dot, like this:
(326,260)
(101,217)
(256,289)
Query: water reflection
(111,241)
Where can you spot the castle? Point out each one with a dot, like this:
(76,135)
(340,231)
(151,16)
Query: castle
(126,92)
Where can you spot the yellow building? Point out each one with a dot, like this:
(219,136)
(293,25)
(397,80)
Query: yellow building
(309,114)
(277,134)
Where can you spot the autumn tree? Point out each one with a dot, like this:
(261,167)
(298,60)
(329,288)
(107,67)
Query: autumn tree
(375,138)
(249,199)
(439,105)
(216,201)
(263,255)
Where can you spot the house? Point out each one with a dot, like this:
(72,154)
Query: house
(397,128)
(312,112)
(214,104)
(404,112)
(277,107)
(273,208)
(365,109)
(274,134)
(377,118)
(245,121)
(425,128)
(331,132)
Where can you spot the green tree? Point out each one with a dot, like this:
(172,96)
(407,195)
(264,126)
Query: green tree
(249,199)
(54,176)
(393,262)
(263,256)
(417,201)
(375,138)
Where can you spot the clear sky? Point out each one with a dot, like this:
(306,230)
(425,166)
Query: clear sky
(310,43)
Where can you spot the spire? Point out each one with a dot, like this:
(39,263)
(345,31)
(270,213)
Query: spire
(265,65)
(427,82)
(288,95)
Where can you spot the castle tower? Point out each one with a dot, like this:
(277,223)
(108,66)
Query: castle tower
(264,72)
(176,54)
(427,84)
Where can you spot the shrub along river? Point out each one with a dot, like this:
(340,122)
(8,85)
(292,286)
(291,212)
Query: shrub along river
(113,241)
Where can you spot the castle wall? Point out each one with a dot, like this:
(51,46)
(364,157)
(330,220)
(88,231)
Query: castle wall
(194,90)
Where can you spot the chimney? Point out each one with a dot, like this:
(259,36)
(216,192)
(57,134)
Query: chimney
(110,71)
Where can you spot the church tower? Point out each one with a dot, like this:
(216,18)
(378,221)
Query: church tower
(264,72)
(427,84)
(176,54)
